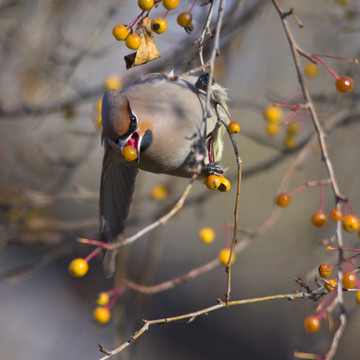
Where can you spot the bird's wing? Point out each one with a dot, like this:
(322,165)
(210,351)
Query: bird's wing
(116,189)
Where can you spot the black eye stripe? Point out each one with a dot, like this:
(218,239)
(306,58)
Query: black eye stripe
(132,126)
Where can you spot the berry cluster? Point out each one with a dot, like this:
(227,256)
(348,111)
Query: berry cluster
(217,182)
(350,222)
(131,33)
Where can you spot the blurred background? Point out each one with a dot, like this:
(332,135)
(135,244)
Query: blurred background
(56,59)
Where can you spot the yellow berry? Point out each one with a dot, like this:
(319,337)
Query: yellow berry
(159,192)
(349,280)
(290,142)
(212,182)
(224,256)
(272,129)
(102,315)
(103,298)
(98,121)
(273,114)
(311,69)
(113,82)
(184,19)
(233,127)
(331,285)
(342,2)
(312,324)
(224,184)
(350,223)
(207,235)
(78,267)
(159,25)
(358,297)
(293,128)
(146,5)
(98,106)
(120,32)
(170,4)
(133,41)
(325,270)
(129,153)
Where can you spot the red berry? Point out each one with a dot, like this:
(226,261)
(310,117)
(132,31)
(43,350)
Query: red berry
(283,199)
(312,324)
(344,84)
(319,219)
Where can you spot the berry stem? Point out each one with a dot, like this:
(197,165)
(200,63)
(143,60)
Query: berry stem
(331,71)
(166,14)
(92,254)
(354,60)
(321,203)
(135,20)
(342,249)
(348,209)
(309,184)
(192,6)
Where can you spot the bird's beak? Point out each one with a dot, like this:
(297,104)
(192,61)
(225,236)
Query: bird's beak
(133,140)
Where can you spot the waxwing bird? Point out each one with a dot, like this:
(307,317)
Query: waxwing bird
(161,120)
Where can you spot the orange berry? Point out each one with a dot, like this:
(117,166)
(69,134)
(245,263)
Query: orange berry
(78,267)
(207,235)
(159,192)
(159,25)
(325,270)
(358,297)
(233,127)
(224,185)
(331,284)
(283,199)
(129,153)
(170,4)
(102,315)
(133,41)
(146,5)
(224,256)
(184,19)
(103,298)
(344,84)
(319,219)
(120,32)
(272,129)
(312,324)
(335,215)
(311,69)
(349,280)
(212,182)
(350,223)
(273,114)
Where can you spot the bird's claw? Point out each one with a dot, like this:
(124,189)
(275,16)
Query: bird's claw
(212,168)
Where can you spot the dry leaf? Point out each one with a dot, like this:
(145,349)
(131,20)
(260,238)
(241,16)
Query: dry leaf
(147,50)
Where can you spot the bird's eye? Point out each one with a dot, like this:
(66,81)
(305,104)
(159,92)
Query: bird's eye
(133,118)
